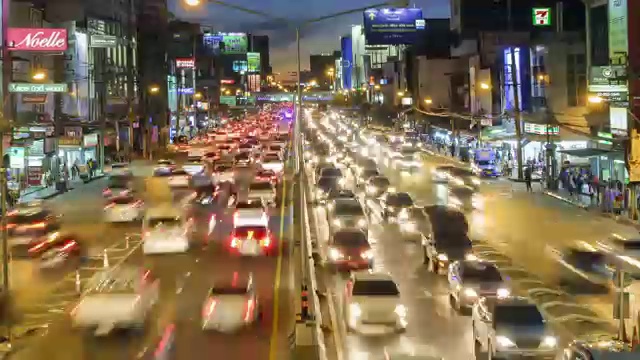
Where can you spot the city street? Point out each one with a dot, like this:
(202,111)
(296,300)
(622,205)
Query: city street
(184,281)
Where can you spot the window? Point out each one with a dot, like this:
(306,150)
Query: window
(576,80)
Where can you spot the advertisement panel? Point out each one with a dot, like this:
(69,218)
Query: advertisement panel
(347,54)
(253,62)
(254,82)
(387,26)
(185,63)
(240,66)
(37,39)
(228,100)
(618,30)
(234,43)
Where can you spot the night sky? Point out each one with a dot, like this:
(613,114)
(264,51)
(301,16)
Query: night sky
(316,39)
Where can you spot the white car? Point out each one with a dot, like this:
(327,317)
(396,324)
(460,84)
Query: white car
(116,298)
(250,212)
(165,231)
(229,308)
(262,190)
(179,178)
(123,209)
(272,162)
(223,173)
(372,304)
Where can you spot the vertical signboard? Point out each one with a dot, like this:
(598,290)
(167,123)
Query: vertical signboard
(618,30)
(632,37)
(347,54)
(254,82)
(253,62)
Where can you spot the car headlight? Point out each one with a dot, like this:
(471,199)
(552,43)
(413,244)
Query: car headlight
(337,223)
(470,293)
(475,181)
(503,293)
(400,310)
(549,341)
(443,257)
(342,182)
(335,254)
(471,257)
(355,310)
(362,223)
(367,254)
(504,341)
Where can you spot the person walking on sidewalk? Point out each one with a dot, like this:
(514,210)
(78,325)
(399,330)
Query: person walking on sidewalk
(527,178)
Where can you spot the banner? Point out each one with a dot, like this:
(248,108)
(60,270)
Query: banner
(253,62)
(387,26)
(37,39)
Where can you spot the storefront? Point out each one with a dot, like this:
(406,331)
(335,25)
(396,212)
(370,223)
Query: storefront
(70,150)
(90,147)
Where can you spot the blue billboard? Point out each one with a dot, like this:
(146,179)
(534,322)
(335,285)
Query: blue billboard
(388,26)
(347,54)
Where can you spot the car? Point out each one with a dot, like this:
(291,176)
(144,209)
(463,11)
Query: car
(55,249)
(349,249)
(230,307)
(511,327)
(471,279)
(364,175)
(115,298)
(250,212)
(412,223)
(340,194)
(251,240)
(322,167)
(179,178)
(193,167)
(464,178)
(223,172)
(123,209)
(393,203)
(243,158)
(262,190)
(165,163)
(120,183)
(346,214)
(582,267)
(372,300)
(323,187)
(441,174)
(377,185)
(441,250)
(164,230)
(266,175)
(333,172)
(28,223)
(272,162)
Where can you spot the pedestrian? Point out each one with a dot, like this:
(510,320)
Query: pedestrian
(527,178)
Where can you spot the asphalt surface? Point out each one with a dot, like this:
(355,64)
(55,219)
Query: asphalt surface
(184,282)
(520,225)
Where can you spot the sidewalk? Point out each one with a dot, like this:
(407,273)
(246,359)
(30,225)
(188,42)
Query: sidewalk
(586,203)
(44,193)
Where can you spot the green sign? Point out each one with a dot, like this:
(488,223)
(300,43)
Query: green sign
(606,75)
(37,88)
(253,60)
(228,100)
(541,16)
(539,129)
(236,43)
(103,41)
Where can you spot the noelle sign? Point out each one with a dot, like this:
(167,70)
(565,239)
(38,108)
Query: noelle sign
(38,39)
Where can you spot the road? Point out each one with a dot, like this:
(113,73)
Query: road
(184,282)
(518,224)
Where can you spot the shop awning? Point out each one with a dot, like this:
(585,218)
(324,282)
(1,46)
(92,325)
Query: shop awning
(585,152)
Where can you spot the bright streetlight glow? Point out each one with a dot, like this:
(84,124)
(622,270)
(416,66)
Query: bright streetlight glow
(192,2)
(154,89)
(40,75)
(485,86)
(428,101)
(400,93)
(198,95)
(377,87)
(595,99)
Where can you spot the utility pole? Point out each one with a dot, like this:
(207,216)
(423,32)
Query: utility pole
(130,82)
(5,126)
(516,95)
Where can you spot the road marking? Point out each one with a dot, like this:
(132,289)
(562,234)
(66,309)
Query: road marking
(273,343)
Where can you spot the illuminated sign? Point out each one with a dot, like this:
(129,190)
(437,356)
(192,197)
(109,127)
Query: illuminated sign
(541,129)
(227,81)
(541,16)
(37,39)
(185,63)
(37,88)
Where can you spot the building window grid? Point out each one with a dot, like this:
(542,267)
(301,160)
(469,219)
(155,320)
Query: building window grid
(576,80)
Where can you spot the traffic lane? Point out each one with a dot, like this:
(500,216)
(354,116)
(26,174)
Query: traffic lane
(433,328)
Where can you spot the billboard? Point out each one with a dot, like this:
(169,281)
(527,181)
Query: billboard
(228,100)
(388,26)
(347,54)
(253,61)
(37,39)
(253,81)
(240,66)
(234,43)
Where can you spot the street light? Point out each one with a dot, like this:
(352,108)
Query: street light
(595,99)
(400,93)
(192,2)
(198,96)
(377,87)
(485,86)
(154,89)
(428,101)
(39,75)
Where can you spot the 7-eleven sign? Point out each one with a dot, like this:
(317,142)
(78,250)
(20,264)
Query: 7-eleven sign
(541,16)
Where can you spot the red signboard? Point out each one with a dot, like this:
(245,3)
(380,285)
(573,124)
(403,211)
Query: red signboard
(227,81)
(34,175)
(38,39)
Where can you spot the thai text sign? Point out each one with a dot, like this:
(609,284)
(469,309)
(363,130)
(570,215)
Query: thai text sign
(37,88)
(37,39)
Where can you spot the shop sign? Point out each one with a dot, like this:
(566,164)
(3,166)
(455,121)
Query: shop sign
(91,140)
(607,75)
(37,88)
(612,96)
(16,158)
(34,175)
(103,41)
(33,98)
(539,129)
(69,141)
(185,63)
(618,120)
(541,16)
(186,91)
(37,39)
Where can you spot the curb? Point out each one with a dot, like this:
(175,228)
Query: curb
(57,193)
(563,199)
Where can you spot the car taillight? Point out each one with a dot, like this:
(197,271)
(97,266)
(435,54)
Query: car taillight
(37,247)
(106,192)
(109,206)
(208,309)
(70,245)
(11,226)
(249,309)
(266,242)
(37,225)
(148,233)
(235,242)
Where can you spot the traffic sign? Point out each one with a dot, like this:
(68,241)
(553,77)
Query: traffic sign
(541,16)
